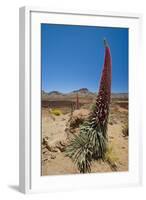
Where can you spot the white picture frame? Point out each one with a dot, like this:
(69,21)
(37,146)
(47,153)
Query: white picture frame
(30,176)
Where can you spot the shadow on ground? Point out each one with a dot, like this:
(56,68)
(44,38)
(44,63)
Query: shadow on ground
(14,187)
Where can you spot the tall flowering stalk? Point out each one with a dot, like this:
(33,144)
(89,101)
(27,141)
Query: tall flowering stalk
(77,101)
(91,143)
(101,110)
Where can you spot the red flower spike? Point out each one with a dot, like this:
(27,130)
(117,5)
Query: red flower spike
(101,111)
(91,143)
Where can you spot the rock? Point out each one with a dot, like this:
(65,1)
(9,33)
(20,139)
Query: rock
(43,146)
(78,117)
(46,144)
(49,147)
(72,130)
(61,145)
(45,140)
(45,157)
(66,130)
(53,156)
(44,152)
(54,149)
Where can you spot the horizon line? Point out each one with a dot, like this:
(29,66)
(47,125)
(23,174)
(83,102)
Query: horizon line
(113,92)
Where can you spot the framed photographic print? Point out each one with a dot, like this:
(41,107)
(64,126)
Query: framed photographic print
(79,88)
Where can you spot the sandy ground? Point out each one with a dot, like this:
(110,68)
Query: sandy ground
(54,161)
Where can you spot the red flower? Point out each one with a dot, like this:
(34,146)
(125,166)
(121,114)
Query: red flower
(101,111)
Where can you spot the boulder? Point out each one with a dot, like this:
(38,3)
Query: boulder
(78,117)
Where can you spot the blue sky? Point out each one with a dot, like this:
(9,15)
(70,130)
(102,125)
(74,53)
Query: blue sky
(72,57)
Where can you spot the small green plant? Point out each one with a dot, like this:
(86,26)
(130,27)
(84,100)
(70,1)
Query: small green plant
(56,111)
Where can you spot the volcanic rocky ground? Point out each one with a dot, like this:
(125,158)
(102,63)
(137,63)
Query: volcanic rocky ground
(58,130)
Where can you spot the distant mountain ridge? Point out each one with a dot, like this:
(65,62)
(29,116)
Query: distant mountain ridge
(82,92)
(55,92)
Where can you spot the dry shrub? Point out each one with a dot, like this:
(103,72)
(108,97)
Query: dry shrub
(125,130)
(111,158)
(56,112)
